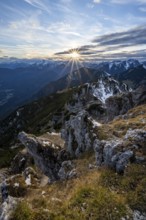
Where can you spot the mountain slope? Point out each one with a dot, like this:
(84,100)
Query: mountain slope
(95,165)
(73,79)
(18,85)
(50,113)
(116,66)
(134,77)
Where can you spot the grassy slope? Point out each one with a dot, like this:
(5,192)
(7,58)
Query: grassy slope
(96,193)
(34,117)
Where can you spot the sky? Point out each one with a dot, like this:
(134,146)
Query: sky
(97,29)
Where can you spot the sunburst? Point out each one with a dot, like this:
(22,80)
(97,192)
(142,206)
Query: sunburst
(74,55)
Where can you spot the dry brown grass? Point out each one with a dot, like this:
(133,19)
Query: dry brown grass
(135,119)
(61,192)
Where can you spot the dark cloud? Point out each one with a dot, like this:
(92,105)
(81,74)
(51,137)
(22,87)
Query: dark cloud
(128,38)
(112,43)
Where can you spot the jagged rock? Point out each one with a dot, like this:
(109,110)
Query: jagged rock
(98,147)
(20,162)
(110,154)
(123,160)
(45,154)
(139,216)
(72,174)
(140,159)
(117,154)
(30,171)
(78,134)
(120,104)
(67,170)
(7,208)
(137,136)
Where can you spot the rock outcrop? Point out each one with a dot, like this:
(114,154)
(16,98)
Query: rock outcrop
(20,162)
(45,154)
(79,134)
(120,104)
(118,153)
(7,208)
(67,170)
(50,158)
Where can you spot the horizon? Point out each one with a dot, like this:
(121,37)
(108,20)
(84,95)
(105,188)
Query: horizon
(101,30)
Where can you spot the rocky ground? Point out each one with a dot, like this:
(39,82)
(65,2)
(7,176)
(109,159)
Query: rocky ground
(94,168)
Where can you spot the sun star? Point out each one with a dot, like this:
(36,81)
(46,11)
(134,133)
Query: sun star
(74,55)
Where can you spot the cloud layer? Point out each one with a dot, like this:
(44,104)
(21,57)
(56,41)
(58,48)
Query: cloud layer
(124,44)
(98,28)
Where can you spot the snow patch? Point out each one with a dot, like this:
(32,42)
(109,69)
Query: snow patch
(102,92)
(127,65)
(28,180)
(110,65)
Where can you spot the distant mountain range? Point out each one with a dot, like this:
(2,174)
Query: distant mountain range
(23,80)
(134,77)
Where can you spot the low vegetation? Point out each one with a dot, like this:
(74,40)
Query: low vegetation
(131,185)
(95,194)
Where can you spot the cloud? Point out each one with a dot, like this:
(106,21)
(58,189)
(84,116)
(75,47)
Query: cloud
(128,1)
(39,5)
(96,1)
(135,36)
(121,45)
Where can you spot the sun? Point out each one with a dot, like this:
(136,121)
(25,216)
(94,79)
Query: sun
(74,55)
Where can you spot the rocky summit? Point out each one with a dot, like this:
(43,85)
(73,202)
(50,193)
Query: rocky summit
(80,151)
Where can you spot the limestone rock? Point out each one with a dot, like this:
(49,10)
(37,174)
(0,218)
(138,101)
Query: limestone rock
(7,208)
(67,170)
(117,154)
(120,104)
(20,162)
(78,134)
(45,154)
(139,216)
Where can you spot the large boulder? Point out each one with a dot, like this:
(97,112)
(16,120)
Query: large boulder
(78,134)
(118,153)
(45,154)
(120,104)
